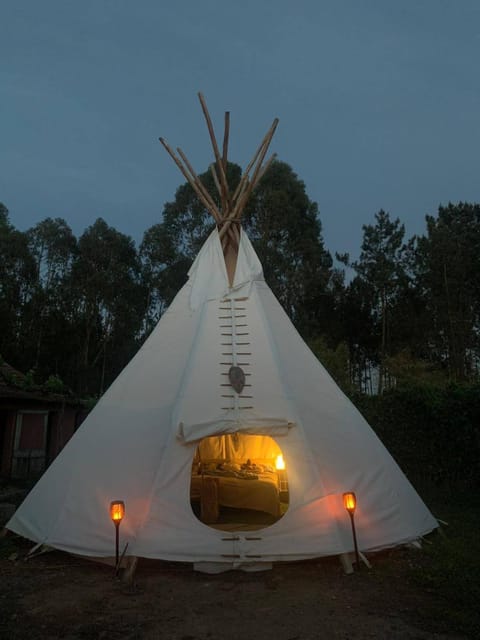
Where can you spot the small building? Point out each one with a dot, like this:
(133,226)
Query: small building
(35,424)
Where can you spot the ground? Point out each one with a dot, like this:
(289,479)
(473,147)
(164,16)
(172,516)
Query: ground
(55,595)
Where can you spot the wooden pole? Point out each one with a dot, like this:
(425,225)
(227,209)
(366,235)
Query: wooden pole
(239,191)
(247,190)
(355,544)
(250,185)
(263,153)
(117,536)
(207,202)
(266,139)
(265,168)
(207,196)
(228,215)
(217,183)
(226,134)
(207,199)
(232,236)
(196,184)
(222,176)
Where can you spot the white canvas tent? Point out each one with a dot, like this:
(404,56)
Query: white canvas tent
(138,444)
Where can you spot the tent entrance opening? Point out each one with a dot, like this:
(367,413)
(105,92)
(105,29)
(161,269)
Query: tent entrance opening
(239,482)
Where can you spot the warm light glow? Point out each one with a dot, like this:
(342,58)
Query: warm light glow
(349,501)
(279,463)
(117,510)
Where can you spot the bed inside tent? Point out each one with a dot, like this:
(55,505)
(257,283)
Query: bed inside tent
(239,482)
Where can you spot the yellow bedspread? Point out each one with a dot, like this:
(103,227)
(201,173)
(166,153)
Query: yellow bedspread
(259,494)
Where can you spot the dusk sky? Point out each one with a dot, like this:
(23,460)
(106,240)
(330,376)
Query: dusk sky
(378,101)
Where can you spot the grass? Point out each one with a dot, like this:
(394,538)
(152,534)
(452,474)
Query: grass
(450,571)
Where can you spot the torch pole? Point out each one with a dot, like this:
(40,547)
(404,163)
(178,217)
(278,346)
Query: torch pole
(354,534)
(117,541)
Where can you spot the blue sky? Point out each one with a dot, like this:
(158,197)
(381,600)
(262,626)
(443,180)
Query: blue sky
(379,104)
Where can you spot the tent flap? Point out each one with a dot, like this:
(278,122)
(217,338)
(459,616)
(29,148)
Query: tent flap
(274,427)
(208,274)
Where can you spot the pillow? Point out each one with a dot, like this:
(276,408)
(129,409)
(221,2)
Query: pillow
(231,466)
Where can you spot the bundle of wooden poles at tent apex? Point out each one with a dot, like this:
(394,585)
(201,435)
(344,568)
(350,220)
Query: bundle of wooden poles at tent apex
(227,216)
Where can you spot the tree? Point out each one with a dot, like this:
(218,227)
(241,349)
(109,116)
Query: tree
(53,247)
(163,272)
(17,276)
(336,362)
(382,277)
(448,278)
(357,329)
(285,230)
(108,298)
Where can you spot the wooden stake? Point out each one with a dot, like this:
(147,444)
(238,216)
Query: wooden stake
(129,573)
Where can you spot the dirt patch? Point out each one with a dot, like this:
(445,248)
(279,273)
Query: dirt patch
(58,596)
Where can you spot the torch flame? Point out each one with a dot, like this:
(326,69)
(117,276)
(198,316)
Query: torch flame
(117,510)
(349,501)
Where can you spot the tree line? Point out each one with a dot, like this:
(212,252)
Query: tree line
(75,310)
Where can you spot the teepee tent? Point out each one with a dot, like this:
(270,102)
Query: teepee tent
(223,378)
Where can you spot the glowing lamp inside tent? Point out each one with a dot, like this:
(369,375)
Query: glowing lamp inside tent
(280,463)
(350,501)
(117,511)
